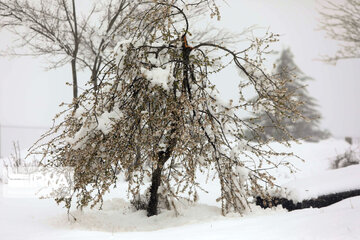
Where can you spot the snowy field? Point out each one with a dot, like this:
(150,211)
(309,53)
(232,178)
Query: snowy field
(32,218)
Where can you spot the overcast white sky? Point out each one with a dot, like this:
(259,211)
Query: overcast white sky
(30,96)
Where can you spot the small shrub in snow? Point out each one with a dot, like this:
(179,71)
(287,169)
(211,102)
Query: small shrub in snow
(16,163)
(350,157)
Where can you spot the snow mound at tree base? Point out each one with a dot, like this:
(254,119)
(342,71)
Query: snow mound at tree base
(117,215)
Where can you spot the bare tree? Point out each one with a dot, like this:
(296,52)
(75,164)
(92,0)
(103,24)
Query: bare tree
(54,28)
(157,116)
(340,21)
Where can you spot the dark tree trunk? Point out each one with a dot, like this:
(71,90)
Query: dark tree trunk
(163,156)
(155,183)
(186,62)
(95,71)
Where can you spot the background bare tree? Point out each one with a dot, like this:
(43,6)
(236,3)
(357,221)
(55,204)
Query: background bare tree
(341,21)
(60,30)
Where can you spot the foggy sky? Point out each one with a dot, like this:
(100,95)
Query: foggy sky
(29,95)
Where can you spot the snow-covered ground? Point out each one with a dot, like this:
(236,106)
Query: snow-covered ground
(327,182)
(32,218)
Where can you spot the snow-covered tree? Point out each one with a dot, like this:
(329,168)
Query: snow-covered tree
(307,126)
(157,116)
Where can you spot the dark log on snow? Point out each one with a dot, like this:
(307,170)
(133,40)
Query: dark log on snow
(321,201)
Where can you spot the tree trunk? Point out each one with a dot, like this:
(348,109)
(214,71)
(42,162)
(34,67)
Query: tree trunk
(96,68)
(163,156)
(155,183)
(74,77)
(75,52)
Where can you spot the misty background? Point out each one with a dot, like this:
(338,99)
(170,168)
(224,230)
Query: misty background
(30,95)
